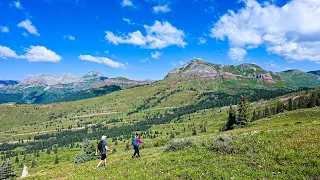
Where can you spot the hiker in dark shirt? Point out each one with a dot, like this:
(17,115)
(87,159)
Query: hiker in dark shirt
(103,148)
(135,143)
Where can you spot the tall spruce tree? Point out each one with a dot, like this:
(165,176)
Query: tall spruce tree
(267,112)
(232,119)
(242,111)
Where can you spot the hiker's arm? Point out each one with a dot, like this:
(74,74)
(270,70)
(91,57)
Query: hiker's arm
(108,148)
(139,141)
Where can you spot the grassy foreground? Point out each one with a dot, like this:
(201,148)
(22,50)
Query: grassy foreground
(285,146)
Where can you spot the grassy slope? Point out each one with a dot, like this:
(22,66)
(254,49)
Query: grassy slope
(282,147)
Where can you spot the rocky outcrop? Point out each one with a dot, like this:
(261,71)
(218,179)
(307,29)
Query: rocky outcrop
(199,68)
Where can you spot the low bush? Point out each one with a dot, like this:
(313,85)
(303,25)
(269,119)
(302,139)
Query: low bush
(179,144)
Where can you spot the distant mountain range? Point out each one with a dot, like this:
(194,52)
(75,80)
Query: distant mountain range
(66,87)
(245,73)
(315,72)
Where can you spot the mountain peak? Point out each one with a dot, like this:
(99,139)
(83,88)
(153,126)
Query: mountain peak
(203,69)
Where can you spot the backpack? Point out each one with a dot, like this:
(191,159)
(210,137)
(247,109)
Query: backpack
(134,141)
(100,146)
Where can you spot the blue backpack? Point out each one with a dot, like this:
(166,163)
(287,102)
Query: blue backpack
(134,141)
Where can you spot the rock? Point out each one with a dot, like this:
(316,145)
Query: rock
(24,172)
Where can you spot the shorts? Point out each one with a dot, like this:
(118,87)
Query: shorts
(103,156)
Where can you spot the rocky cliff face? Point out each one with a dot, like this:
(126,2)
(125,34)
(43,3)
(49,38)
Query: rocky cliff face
(202,69)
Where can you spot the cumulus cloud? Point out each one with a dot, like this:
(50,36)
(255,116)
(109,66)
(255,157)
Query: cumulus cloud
(27,24)
(70,37)
(4,29)
(202,40)
(33,54)
(161,9)
(6,52)
(291,31)
(102,60)
(127,3)
(158,36)
(156,55)
(41,54)
(237,54)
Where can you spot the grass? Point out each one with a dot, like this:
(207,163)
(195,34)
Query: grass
(284,146)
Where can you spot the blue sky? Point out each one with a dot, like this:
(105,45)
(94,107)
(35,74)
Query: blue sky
(145,39)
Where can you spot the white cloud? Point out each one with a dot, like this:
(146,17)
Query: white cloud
(144,60)
(181,62)
(127,3)
(25,34)
(6,52)
(29,27)
(156,55)
(4,29)
(291,31)
(159,35)
(202,40)
(33,54)
(161,9)
(271,64)
(128,21)
(70,37)
(41,54)
(17,4)
(237,54)
(102,60)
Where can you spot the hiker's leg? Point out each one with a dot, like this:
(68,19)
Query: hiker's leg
(105,162)
(100,162)
(138,152)
(135,151)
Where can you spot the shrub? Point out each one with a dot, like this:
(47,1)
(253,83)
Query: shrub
(179,144)
(160,142)
(222,144)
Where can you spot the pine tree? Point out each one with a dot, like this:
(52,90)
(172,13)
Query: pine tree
(242,109)
(232,119)
(33,163)
(280,107)
(17,159)
(290,104)
(6,170)
(56,161)
(267,112)
(194,132)
(254,116)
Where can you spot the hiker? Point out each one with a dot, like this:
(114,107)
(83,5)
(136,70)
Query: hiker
(135,143)
(103,148)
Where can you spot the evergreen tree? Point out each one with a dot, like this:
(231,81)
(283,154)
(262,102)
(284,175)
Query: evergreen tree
(267,112)
(33,163)
(6,170)
(194,132)
(280,107)
(290,105)
(56,161)
(254,116)
(17,159)
(242,111)
(232,119)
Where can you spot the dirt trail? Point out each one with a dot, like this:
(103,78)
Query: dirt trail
(95,114)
